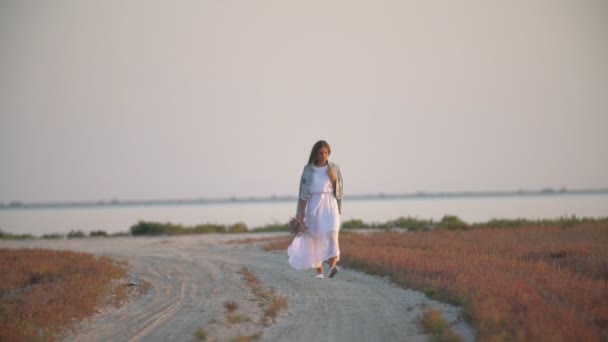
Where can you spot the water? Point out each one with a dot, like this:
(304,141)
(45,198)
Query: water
(114,219)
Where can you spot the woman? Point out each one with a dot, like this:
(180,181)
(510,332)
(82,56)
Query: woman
(320,206)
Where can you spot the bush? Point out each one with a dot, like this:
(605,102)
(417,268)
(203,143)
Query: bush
(238,228)
(354,223)
(53,236)
(410,223)
(154,228)
(75,234)
(452,222)
(275,227)
(502,223)
(208,229)
(98,233)
(147,228)
(4,235)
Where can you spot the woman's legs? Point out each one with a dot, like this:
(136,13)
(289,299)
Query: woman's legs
(333,268)
(332,261)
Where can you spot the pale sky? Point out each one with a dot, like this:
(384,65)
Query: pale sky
(148,99)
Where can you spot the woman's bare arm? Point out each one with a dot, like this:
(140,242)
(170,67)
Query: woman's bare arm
(301,208)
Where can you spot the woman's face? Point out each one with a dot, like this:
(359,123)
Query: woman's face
(322,156)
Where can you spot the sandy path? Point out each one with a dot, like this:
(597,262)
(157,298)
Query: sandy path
(192,277)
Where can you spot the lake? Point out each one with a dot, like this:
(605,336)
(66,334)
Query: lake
(113,219)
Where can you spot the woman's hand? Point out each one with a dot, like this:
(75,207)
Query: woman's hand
(332,174)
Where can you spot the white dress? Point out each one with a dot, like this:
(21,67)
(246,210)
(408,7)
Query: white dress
(323,221)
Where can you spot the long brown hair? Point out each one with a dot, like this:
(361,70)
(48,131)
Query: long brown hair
(315,150)
(313,157)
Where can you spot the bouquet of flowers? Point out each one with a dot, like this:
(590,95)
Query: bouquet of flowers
(297,227)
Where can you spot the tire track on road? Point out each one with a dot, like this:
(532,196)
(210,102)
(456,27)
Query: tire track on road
(192,277)
(177,285)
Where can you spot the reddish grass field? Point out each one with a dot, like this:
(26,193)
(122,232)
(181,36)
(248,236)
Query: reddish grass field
(523,284)
(43,292)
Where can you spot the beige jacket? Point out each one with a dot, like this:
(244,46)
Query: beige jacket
(306,181)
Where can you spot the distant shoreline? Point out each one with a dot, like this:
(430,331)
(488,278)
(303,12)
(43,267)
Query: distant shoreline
(279,199)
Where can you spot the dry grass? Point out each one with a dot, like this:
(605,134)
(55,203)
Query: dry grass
(275,305)
(524,284)
(434,323)
(231,306)
(248,338)
(271,302)
(43,292)
(235,318)
(200,335)
(231,316)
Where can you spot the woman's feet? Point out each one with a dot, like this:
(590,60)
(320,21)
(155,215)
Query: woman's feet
(333,271)
(319,272)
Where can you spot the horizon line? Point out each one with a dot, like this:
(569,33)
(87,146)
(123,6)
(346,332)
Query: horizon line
(284,198)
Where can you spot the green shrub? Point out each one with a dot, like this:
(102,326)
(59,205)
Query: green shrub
(5,235)
(76,234)
(452,222)
(98,233)
(147,228)
(410,223)
(354,223)
(275,227)
(501,223)
(238,228)
(53,236)
(155,228)
(208,229)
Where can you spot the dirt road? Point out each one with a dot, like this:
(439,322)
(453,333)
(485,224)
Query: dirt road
(192,277)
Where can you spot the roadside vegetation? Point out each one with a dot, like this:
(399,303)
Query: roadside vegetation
(43,293)
(269,305)
(516,281)
(5,235)
(269,300)
(449,222)
(434,324)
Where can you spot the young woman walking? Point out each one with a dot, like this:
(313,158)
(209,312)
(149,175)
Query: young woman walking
(320,207)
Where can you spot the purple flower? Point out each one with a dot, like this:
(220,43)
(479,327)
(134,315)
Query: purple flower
(297,227)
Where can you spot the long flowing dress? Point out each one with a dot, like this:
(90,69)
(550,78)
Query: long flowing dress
(323,221)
